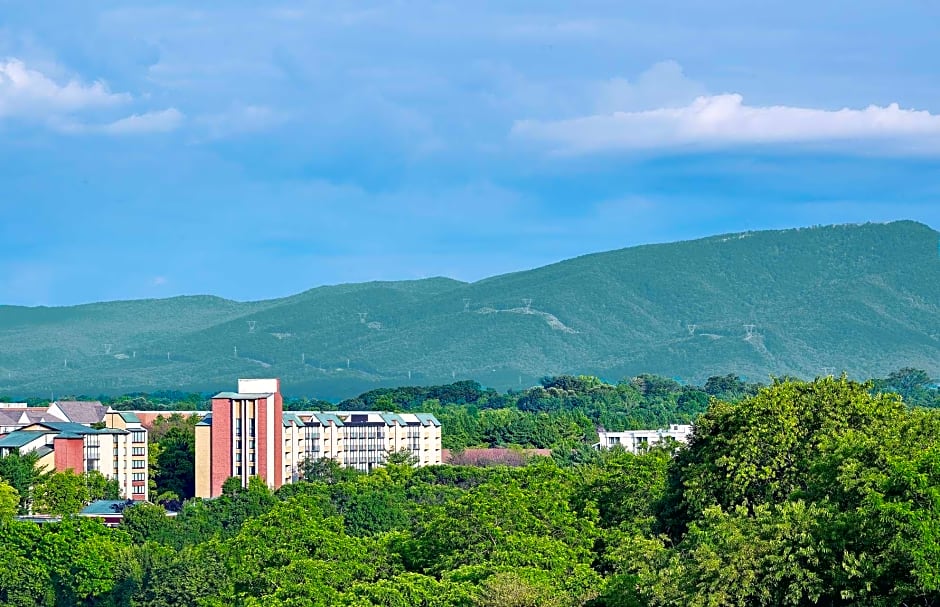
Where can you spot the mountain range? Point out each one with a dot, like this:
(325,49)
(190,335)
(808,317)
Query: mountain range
(864,299)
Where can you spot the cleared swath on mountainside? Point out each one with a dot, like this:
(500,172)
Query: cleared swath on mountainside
(860,298)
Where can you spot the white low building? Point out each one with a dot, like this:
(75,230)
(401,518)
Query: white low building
(638,441)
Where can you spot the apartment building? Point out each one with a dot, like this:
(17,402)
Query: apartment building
(239,438)
(638,441)
(118,450)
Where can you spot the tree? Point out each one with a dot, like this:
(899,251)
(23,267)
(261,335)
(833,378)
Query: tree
(914,386)
(61,493)
(231,486)
(325,470)
(808,493)
(727,386)
(176,463)
(9,501)
(99,487)
(761,449)
(402,457)
(23,474)
(146,522)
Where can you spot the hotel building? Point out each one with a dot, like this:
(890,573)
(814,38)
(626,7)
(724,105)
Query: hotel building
(240,438)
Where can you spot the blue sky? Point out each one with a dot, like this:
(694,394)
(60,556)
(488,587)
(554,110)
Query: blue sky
(150,150)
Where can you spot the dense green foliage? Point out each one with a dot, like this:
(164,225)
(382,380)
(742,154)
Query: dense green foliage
(561,413)
(678,308)
(819,493)
(173,457)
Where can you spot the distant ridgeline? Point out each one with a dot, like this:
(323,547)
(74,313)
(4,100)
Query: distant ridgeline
(860,298)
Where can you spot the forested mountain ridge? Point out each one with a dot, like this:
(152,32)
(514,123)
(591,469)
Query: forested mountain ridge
(860,298)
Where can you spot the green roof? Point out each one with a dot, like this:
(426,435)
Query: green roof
(102,507)
(289,416)
(427,419)
(129,417)
(326,418)
(71,427)
(19,438)
(391,418)
(74,428)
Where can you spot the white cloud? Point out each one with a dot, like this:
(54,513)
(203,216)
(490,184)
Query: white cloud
(26,92)
(161,121)
(712,121)
(31,95)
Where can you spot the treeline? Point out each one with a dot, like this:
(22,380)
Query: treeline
(562,413)
(806,493)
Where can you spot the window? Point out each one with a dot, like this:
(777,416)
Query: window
(238,456)
(139,436)
(138,476)
(139,464)
(139,489)
(251,457)
(139,451)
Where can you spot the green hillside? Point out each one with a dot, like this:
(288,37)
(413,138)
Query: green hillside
(861,298)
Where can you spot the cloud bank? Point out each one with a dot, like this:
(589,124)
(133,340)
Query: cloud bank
(28,92)
(719,121)
(31,95)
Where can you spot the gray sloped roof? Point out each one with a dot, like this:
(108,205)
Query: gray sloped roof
(82,411)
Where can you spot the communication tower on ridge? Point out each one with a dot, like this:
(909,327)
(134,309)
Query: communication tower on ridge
(528,304)
(251,325)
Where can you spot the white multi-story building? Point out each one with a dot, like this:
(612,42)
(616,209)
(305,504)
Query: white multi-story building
(638,441)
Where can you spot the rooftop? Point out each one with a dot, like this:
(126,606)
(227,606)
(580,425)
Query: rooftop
(19,438)
(82,411)
(129,417)
(243,395)
(104,508)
